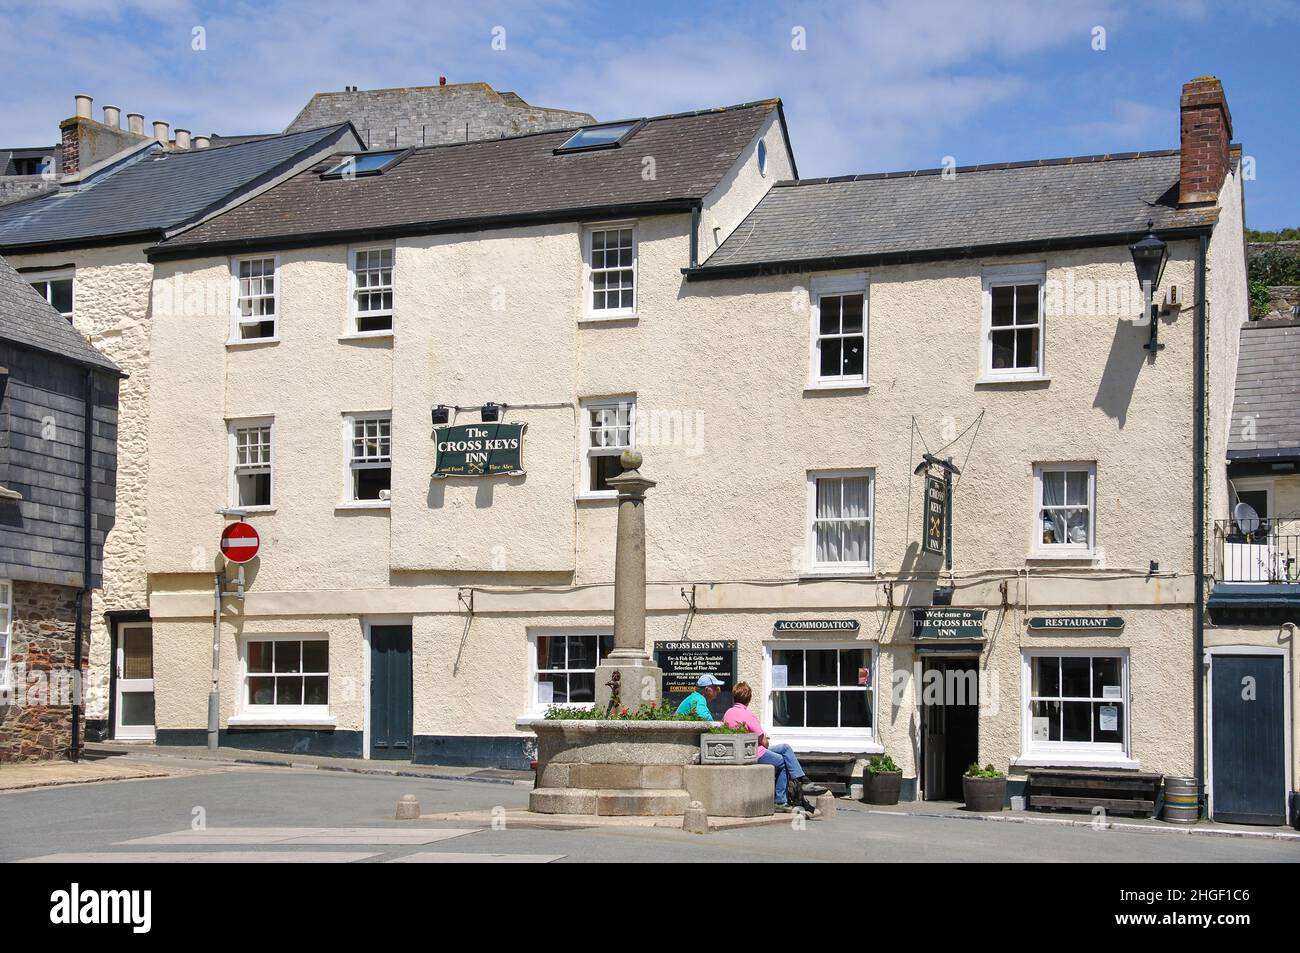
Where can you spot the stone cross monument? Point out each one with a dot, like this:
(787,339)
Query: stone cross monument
(628,672)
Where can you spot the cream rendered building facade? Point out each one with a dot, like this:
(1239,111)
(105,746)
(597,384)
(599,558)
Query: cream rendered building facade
(738,430)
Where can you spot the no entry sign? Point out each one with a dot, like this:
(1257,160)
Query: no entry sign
(239,542)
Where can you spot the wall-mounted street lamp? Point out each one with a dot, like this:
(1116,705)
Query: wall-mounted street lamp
(1149,257)
(441,415)
(490,412)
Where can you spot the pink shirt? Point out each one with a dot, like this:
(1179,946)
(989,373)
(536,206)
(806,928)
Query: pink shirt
(739,716)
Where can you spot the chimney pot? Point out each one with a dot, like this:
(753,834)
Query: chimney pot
(1205,141)
(202,142)
(135,123)
(442,81)
(112,116)
(160,131)
(83,105)
(182,138)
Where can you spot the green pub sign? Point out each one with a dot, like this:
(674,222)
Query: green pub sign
(936,515)
(476,450)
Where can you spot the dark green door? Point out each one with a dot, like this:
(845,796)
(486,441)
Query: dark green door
(1248,723)
(390,692)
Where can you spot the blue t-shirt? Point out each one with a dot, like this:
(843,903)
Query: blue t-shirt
(697,703)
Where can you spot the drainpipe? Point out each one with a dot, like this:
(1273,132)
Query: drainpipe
(1198,506)
(695,234)
(88,436)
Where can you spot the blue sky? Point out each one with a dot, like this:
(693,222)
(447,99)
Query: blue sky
(880,86)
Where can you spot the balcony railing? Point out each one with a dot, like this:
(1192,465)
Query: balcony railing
(1259,550)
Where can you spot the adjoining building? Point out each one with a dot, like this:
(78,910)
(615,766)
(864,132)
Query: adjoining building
(1250,665)
(58,461)
(783,352)
(82,248)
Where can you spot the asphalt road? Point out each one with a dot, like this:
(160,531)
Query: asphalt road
(99,818)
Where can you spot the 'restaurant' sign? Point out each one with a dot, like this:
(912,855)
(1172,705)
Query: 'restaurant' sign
(945,622)
(1076,622)
(816,625)
(480,450)
(936,515)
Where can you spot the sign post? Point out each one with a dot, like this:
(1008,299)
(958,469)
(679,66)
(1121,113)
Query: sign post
(240,542)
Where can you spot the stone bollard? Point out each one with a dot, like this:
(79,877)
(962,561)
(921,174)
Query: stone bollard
(408,808)
(695,821)
(825,804)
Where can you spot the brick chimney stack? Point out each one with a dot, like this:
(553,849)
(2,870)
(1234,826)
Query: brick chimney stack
(1205,141)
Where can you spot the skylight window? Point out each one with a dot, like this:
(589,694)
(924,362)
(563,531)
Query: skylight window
(607,136)
(365,163)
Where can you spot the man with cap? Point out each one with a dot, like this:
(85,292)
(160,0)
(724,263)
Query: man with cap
(706,689)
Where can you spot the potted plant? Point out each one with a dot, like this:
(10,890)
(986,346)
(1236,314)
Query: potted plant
(985,788)
(881,780)
(723,745)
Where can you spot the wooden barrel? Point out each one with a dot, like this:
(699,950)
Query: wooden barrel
(1182,801)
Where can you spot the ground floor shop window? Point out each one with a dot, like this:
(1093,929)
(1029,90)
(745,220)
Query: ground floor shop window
(289,676)
(821,694)
(1076,704)
(564,667)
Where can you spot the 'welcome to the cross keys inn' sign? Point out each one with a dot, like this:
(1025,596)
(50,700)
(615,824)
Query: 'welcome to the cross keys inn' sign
(480,450)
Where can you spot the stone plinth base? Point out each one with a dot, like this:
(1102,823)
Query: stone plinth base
(640,682)
(609,802)
(732,790)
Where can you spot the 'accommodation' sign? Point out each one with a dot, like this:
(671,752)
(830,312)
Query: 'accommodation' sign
(480,450)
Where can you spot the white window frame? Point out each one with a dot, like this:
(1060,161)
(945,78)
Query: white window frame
(349,500)
(249,714)
(233,426)
(824,739)
(236,320)
(535,708)
(354,311)
(6,630)
(834,287)
(590,313)
(1064,550)
(1073,753)
(1005,276)
(810,535)
(588,451)
(55,274)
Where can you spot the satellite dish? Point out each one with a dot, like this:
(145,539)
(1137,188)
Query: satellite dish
(1244,515)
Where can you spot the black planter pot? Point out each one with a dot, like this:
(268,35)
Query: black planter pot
(881,787)
(984,795)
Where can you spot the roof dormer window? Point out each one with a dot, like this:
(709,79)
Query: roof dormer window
(363,163)
(609,135)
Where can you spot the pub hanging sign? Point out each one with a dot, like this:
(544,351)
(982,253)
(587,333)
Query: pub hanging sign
(477,450)
(936,515)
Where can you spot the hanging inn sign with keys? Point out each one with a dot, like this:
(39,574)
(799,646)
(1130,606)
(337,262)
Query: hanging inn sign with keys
(477,450)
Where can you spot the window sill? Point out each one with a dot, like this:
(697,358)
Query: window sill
(252,510)
(251,342)
(831,741)
(838,573)
(366,335)
(985,380)
(837,385)
(364,505)
(608,318)
(1046,556)
(280,721)
(1119,763)
(596,498)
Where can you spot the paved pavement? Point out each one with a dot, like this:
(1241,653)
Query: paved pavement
(217,812)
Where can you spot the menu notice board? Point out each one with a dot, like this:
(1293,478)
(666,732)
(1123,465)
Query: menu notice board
(684,662)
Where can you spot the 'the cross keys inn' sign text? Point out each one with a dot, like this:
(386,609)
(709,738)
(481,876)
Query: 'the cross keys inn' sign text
(480,450)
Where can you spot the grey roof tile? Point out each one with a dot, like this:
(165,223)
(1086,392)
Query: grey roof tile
(980,206)
(149,193)
(27,319)
(1268,389)
(439,186)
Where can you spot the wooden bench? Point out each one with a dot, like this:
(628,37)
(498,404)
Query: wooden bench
(833,770)
(1083,790)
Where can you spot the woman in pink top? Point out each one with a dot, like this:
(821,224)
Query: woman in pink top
(781,757)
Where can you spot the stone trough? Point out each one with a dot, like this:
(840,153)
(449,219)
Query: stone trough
(638,768)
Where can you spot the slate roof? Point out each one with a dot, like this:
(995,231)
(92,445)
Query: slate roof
(151,192)
(1268,388)
(897,214)
(28,320)
(498,180)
